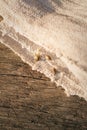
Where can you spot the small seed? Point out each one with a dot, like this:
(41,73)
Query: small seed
(54,70)
(36,57)
(1,18)
(37,52)
(48,57)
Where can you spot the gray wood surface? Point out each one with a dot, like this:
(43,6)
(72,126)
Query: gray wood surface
(29,101)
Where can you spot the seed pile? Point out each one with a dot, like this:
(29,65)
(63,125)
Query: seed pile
(37,57)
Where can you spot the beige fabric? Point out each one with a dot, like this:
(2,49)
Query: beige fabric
(59,29)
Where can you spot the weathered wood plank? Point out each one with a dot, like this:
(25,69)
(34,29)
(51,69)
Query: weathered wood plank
(29,101)
(57,28)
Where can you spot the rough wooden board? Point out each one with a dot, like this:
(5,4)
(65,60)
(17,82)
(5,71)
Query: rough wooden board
(29,101)
(56,28)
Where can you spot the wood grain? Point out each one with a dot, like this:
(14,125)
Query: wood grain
(29,101)
(56,27)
